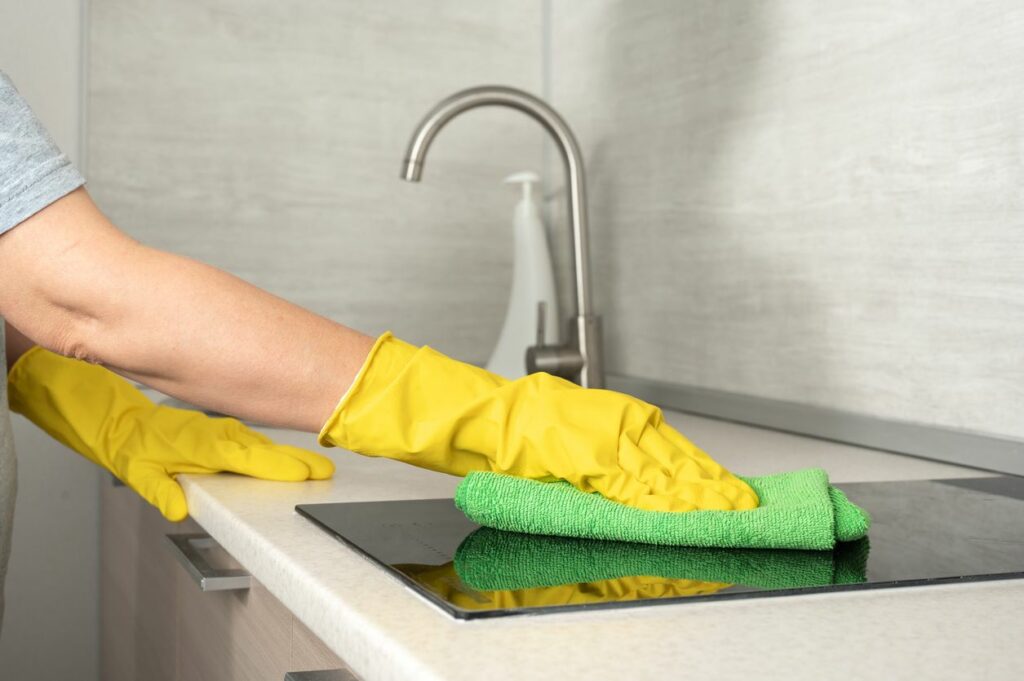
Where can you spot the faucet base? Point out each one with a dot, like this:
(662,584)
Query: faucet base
(578,359)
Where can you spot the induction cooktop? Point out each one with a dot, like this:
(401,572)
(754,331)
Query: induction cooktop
(923,532)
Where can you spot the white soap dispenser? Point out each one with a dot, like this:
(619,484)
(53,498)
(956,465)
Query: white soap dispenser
(533,285)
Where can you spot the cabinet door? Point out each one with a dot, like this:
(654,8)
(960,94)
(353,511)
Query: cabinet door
(244,635)
(156,623)
(138,611)
(228,635)
(309,653)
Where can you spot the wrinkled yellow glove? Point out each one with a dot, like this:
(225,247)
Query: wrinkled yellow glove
(105,419)
(421,407)
(444,581)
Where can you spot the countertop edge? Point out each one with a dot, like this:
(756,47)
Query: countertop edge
(362,645)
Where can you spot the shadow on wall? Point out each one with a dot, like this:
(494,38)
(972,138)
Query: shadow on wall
(662,106)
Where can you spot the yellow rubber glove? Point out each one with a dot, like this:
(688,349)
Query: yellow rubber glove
(421,407)
(105,419)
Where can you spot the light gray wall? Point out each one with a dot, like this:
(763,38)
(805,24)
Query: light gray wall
(50,622)
(814,202)
(266,138)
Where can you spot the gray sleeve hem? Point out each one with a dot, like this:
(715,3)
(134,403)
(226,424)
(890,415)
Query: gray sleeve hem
(55,184)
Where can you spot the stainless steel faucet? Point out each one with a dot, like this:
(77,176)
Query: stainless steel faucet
(580,357)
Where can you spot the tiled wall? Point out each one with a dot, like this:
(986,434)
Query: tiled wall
(266,138)
(818,203)
(814,202)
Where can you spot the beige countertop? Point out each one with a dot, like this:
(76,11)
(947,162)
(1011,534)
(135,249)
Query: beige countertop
(384,631)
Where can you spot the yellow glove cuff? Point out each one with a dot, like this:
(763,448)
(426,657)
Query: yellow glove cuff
(387,358)
(35,349)
(63,396)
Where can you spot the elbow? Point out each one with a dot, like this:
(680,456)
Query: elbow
(76,335)
(72,301)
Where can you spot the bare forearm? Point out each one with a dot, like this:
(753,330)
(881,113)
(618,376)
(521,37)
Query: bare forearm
(210,338)
(185,328)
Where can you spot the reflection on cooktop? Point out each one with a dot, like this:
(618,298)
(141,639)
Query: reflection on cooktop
(923,532)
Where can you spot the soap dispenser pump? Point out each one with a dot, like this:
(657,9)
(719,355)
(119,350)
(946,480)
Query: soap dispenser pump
(532,316)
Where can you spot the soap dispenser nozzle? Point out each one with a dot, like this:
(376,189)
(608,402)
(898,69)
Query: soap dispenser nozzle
(527,178)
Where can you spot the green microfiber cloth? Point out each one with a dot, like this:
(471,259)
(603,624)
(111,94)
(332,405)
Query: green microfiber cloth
(798,510)
(492,560)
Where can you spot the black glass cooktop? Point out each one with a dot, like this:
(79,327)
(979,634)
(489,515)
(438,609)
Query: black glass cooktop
(923,532)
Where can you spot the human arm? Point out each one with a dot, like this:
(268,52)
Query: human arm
(83,299)
(103,297)
(107,420)
(183,327)
(72,282)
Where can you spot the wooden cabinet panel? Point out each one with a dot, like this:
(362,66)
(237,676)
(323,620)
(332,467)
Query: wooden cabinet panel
(137,608)
(229,635)
(157,625)
(309,652)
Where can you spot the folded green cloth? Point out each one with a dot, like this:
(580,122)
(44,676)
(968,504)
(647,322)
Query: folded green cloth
(492,560)
(798,510)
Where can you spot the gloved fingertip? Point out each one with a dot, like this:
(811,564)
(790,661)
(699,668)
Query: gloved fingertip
(275,462)
(170,499)
(747,501)
(175,514)
(295,470)
(320,467)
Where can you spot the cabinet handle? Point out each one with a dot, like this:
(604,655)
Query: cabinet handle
(186,549)
(325,675)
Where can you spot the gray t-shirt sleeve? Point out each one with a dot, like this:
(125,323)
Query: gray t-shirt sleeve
(33,171)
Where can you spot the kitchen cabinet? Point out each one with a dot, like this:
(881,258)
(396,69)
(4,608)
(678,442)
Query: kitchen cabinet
(157,624)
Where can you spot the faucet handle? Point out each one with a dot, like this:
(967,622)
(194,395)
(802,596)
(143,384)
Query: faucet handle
(558,360)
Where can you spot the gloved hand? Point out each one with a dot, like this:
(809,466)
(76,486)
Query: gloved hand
(105,419)
(421,407)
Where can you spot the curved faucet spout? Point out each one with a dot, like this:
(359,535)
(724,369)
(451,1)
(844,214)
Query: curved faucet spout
(585,331)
